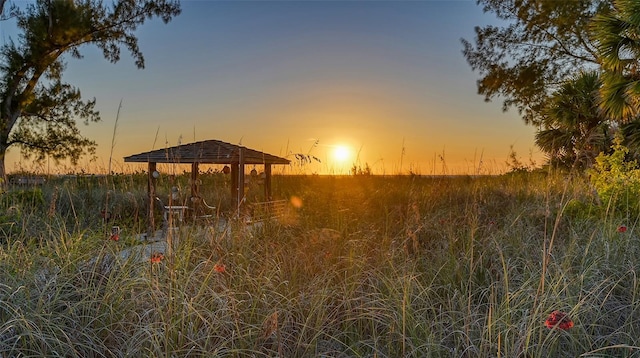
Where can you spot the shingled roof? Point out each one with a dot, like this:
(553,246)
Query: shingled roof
(208,152)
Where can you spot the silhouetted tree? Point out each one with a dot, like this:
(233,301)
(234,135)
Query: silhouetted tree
(575,130)
(540,46)
(617,32)
(38,111)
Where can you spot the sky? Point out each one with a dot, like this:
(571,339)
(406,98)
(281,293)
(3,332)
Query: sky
(381,84)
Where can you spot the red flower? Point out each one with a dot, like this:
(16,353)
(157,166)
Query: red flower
(622,228)
(115,233)
(219,268)
(156,257)
(558,319)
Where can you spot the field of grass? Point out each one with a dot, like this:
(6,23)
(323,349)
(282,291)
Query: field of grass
(366,266)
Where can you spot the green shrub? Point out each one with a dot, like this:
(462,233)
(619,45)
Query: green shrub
(578,209)
(617,181)
(32,197)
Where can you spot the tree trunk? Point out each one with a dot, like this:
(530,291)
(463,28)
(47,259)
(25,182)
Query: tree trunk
(3,172)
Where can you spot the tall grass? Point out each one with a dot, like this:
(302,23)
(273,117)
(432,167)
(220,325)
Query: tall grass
(367,267)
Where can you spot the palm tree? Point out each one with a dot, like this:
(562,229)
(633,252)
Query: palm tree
(575,130)
(617,35)
(631,138)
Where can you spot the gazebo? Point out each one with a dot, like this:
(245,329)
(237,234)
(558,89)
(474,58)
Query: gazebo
(208,152)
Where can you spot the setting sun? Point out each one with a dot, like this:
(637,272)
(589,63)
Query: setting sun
(341,153)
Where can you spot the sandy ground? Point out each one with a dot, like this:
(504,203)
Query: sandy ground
(158,242)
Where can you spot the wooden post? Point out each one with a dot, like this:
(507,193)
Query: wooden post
(234,184)
(267,182)
(151,191)
(240,177)
(194,180)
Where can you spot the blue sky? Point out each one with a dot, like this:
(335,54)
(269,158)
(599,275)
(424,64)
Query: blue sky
(386,79)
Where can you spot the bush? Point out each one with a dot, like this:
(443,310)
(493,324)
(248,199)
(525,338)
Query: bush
(30,197)
(617,180)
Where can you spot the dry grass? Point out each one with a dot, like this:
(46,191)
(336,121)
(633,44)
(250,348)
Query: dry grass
(368,267)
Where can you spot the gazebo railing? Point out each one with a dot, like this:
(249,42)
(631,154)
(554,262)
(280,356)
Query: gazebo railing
(267,210)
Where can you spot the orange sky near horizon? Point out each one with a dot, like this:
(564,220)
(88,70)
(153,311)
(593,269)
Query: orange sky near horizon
(387,80)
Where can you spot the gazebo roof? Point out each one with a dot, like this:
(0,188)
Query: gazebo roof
(208,152)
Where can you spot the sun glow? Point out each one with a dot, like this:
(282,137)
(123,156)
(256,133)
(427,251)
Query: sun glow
(341,153)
